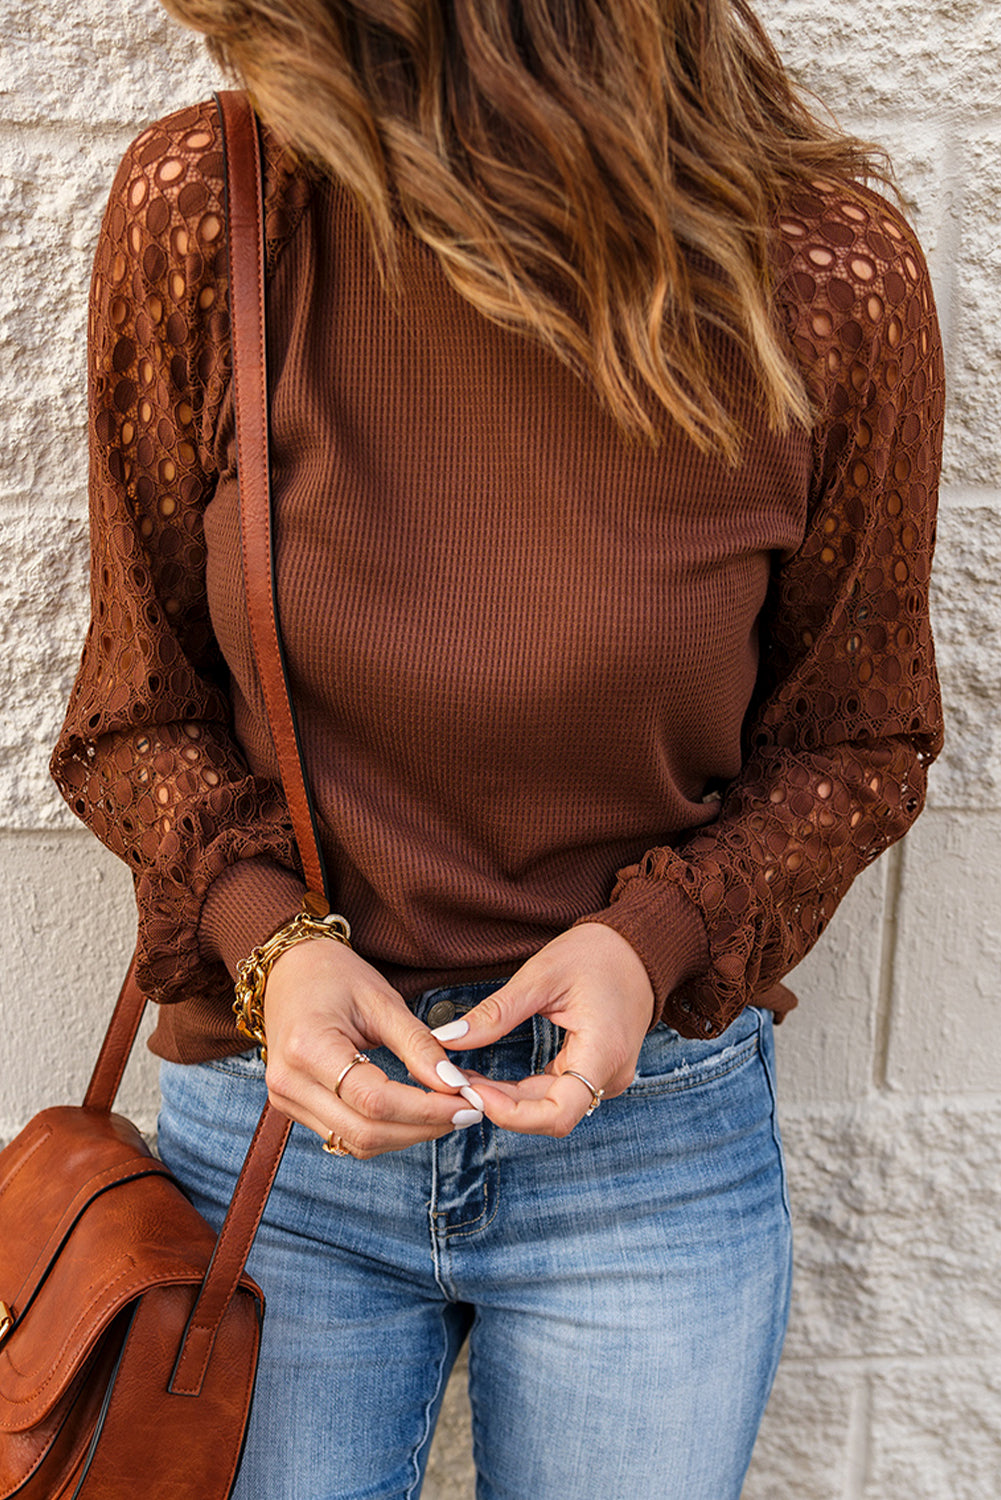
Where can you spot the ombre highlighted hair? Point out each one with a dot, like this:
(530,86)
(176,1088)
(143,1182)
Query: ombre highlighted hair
(602,175)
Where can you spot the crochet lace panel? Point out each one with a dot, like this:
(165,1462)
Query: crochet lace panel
(847,715)
(146,757)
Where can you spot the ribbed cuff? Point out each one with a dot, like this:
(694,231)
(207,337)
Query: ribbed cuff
(667,931)
(245,904)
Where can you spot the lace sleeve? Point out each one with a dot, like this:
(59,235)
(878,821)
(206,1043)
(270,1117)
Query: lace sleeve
(847,715)
(145,756)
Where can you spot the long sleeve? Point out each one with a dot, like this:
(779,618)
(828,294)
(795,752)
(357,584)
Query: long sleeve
(146,756)
(846,716)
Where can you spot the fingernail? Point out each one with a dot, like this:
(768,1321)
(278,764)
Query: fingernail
(466,1117)
(449,1073)
(450,1032)
(468,1092)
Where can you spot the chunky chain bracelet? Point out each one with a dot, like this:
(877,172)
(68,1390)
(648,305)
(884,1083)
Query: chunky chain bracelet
(314,920)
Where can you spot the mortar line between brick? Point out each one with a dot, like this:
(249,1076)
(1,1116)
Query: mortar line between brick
(950,241)
(967,496)
(900,1102)
(857,1442)
(887,966)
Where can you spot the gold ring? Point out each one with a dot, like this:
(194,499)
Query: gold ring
(358,1058)
(596,1094)
(334,1147)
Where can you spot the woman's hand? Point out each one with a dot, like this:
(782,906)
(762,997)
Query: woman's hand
(593,983)
(322,1004)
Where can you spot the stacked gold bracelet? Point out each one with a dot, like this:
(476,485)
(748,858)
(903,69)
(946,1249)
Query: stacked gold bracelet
(314,920)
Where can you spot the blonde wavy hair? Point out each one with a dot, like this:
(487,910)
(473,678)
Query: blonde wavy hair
(602,175)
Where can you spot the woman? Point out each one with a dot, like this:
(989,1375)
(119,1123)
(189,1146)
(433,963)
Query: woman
(606,414)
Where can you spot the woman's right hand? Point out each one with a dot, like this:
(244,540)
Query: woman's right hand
(322,1004)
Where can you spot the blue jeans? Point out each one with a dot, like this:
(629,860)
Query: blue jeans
(624,1291)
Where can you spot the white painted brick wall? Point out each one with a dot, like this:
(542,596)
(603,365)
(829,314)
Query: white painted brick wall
(891,1069)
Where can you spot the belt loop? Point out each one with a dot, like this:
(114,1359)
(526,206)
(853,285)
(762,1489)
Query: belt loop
(536,1065)
(547,1040)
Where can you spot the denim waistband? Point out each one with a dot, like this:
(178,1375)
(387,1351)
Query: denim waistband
(436,1007)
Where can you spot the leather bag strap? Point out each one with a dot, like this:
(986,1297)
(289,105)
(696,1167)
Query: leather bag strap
(245,239)
(117,1045)
(245,216)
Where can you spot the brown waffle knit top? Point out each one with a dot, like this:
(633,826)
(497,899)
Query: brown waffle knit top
(543,675)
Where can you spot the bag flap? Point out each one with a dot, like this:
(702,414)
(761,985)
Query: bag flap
(89,1219)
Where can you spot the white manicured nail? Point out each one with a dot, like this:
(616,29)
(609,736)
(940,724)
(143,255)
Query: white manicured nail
(451,1032)
(449,1073)
(466,1117)
(468,1092)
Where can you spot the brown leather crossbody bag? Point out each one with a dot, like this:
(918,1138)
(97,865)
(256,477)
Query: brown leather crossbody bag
(129,1331)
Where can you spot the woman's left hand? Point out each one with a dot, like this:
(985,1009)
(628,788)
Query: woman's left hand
(593,983)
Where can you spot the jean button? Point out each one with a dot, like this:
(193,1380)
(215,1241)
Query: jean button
(441,1012)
